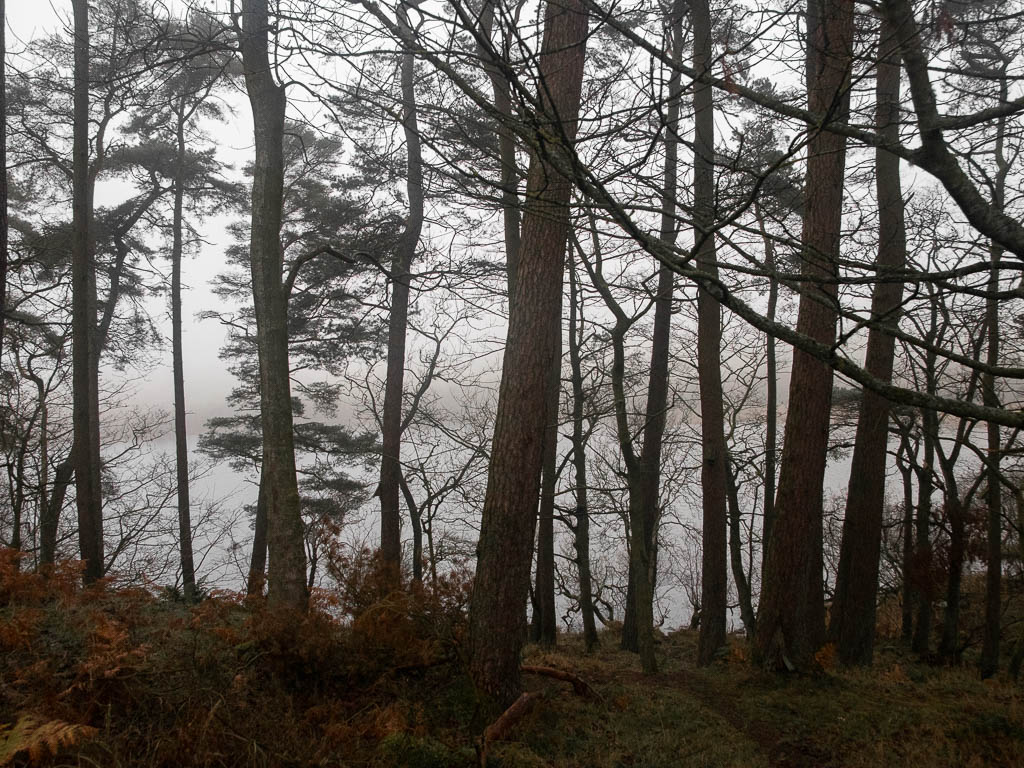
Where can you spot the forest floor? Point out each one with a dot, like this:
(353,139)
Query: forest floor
(111,678)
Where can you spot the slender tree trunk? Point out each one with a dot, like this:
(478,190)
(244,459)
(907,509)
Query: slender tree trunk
(736,557)
(3,169)
(506,532)
(714,462)
(417,531)
(853,608)
(949,644)
(579,458)
(771,421)
(648,466)
(907,475)
(506,144)
(791,618)
(258,562)
(87,461)
(398,324)
(286,577)
(989,663)
(923,546)
(188,572)
(546,631)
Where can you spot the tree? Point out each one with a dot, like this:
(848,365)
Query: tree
(714,459)
(791,615)
(853,609)
(506,532)
(286,575)
(86,454)
(390,466)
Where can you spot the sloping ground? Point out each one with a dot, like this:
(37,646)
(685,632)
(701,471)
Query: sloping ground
(897,714)
(120,678)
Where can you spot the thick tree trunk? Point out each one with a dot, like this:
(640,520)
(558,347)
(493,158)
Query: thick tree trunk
(853,608)
(506,532)
(544,591)
(188,572)
(286,577)
(791,618)
(579,459)
(85,355)
(398,323)
(714,461)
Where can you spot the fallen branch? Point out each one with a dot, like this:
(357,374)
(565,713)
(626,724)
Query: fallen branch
(579,686)
(500,728)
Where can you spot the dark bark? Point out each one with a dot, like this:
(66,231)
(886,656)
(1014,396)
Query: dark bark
(907,565)
(544,591)
(3,171)
(506,533)
(791,616)
(579,459)
(743,592)
(645,472)
(398,324)
(922,546)
(714,462)
(989,663)
(87,461)
(853,621)
(506,142)
(258,560)
(188,572)
(771,420)
(949,643)
(286,577)
(415,518)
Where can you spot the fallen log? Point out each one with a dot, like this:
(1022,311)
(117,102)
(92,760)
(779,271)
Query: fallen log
(501,727)
(579,686)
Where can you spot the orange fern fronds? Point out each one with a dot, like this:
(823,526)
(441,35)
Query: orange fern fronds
(40,738)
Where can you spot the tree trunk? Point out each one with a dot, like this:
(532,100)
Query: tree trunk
(3,168)
(949,645)
(989,663)
(286,577)
(258,562)
(87,461)
(791,618)
(546,620)
(771,420)
(736,557)
(506,146)
(923,545)
(188,572)
(579,459)
(907,475)
(714,467)
(648,466)
(853,609)
(510,504)
(417,531)
(398,323)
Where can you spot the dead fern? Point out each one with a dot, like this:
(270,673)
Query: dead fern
(40,738)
